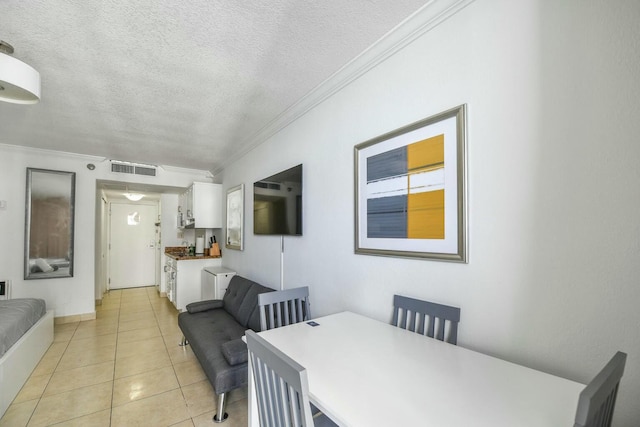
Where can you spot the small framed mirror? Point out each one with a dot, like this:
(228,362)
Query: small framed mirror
(49,224)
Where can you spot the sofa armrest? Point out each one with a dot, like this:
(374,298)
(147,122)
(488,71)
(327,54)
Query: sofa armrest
(235,351)
(196,307)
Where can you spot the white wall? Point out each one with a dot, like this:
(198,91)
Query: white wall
(66,296)
(553,105)
(101,245)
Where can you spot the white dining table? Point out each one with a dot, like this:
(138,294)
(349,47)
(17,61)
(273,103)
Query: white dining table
(364,373)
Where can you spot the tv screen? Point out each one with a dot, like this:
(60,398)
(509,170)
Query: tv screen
(277,203)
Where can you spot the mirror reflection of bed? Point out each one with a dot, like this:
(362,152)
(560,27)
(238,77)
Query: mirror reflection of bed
(51,266)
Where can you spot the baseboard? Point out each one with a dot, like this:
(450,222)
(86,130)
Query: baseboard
(75,318)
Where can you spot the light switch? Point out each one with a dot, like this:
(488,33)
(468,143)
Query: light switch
(3,204)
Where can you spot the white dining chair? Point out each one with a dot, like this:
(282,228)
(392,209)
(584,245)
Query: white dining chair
(598,399)
(282,308)
(426,318)
(281,386)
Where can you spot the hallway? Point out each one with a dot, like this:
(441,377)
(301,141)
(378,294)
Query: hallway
(124,368)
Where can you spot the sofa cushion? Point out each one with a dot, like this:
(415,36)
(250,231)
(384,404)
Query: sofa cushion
(238,287)
(250,305)
(254,319)
(235,351)
(197,307)
(206,332)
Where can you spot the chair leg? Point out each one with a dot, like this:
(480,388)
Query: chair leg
(184,341)
(217,418)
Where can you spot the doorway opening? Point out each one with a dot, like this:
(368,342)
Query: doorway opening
(129,242)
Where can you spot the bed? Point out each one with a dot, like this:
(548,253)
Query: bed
(26,332)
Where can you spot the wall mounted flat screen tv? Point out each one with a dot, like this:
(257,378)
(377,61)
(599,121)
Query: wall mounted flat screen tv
(277,204)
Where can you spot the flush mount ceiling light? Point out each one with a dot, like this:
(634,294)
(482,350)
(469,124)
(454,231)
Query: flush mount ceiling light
(19,82)
(134,197)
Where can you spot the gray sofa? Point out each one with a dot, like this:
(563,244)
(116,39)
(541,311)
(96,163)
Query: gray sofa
(214,329)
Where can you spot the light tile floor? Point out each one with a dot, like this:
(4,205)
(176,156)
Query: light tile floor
(124,368)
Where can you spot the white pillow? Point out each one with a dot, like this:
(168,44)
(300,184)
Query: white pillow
(43,265)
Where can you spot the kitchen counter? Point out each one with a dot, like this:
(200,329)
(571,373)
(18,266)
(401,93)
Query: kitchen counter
(184,275)
(180,253)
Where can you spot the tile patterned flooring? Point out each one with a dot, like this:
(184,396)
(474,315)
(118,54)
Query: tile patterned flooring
(124,368)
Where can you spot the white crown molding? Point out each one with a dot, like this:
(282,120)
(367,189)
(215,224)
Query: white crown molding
(174,169)
(55,153)
(98,159)
(429,16)
(205,173)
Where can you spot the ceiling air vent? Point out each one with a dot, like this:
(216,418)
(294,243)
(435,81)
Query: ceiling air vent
(122,168)
(132,168)
(145,170)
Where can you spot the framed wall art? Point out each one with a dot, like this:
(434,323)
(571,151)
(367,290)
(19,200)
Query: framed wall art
(235,217)
(410,190)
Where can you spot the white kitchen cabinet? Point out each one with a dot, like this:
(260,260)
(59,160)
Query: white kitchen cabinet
(215,281)
(187,284)
(188,200)
(201,205)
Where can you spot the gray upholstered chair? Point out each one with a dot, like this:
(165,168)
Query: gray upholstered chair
(598,399)
(282,308)
(282,388)
(426,317)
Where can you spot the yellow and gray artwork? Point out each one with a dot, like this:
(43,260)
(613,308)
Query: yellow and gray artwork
(405,191)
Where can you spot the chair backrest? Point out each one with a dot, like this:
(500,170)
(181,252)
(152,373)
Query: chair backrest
(282,388)
(598,399)
(426,318)
(281,308)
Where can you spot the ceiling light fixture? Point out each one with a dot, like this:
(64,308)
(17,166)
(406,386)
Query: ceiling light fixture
(19,82)
(134,197)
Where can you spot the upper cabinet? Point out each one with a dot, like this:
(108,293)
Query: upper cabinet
(201,206)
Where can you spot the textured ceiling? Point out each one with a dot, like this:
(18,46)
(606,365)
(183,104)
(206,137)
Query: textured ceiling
(180,83)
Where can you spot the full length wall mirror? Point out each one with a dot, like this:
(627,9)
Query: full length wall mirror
(49,224)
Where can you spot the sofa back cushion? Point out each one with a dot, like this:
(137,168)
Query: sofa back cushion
(236,291)
(241,298)
(249,309)
(254,320)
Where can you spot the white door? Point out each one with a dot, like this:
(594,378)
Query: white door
(132,251)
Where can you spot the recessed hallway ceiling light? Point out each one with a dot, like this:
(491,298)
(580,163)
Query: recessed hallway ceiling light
(134,197)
